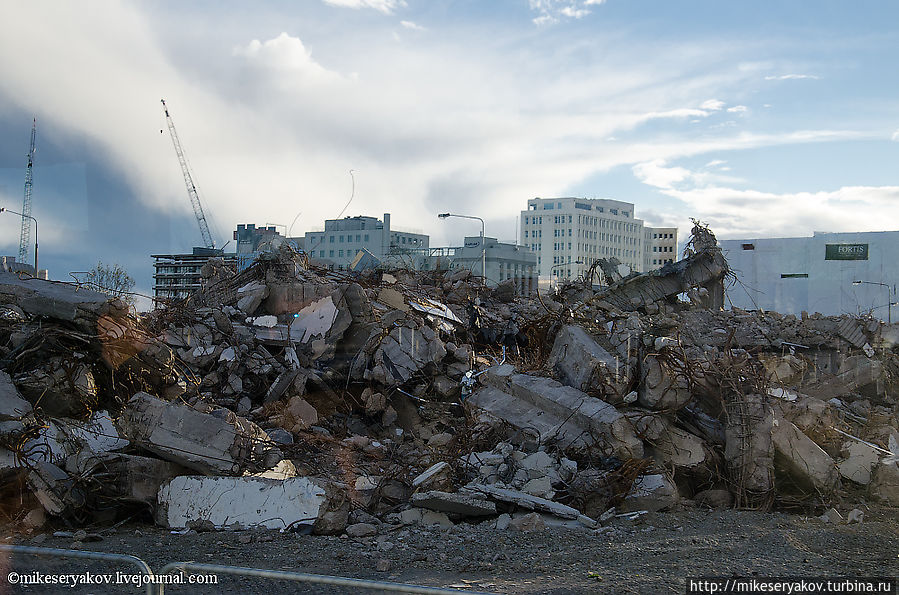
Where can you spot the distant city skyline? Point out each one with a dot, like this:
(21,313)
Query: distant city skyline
(762,119)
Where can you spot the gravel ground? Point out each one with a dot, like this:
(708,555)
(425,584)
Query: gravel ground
(654,554)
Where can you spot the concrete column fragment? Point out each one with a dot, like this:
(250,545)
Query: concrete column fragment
(216,444)
(559,413)
(584,364)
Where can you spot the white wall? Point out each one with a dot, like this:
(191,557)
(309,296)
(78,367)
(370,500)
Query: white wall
(828,289)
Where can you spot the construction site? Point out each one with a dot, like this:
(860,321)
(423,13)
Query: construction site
(419,427)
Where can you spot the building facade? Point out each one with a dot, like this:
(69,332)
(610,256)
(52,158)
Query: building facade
(659,247)
(829,273)
(341,240)
(504,262)
(176,276)
(569,234)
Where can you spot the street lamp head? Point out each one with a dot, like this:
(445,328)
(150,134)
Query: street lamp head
(443,215)
(856,282)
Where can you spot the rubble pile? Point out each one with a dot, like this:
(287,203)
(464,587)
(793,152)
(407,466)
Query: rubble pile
(309,400)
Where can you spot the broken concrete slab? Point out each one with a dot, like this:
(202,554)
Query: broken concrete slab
(801,462)
(250,297)
(651,492)
(421,516)
(456,503)
(559,413)
(660,388)
(679,448)
(12,405)
(430,474)
(219,443)
(859,462)
(241,502)
(405,351)
(524,500)
(128,477)
(54,489)
(583,364)
(884,485)
(60,301)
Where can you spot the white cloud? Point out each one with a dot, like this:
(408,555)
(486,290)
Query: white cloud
(412,26)
(712,105)
(385,6)
(789,77)
(738,109)
(268,128)
(656,174)
(552,11)
(285,53)
(895,136)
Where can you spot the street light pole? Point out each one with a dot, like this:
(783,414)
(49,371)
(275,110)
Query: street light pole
(4,209)
(483,246)
(889,297)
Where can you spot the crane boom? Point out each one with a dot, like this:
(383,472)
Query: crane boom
(189,182)
(25,238)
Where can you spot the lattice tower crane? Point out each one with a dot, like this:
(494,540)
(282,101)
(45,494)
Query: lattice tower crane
(25,237)
(189,182)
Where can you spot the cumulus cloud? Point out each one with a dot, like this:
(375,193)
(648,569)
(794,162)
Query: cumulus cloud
(738,109)
(384,6)
(791,77)
(895,136)
(285,53)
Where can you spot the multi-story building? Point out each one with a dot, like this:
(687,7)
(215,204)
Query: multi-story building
(659,247)
(178,275)
(342,239)
(504,262)
(829,273)
(570,234)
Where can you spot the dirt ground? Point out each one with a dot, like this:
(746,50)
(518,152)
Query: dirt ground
(654,554)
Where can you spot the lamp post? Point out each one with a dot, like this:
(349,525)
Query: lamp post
(483,247)
(889,297)
(4,209)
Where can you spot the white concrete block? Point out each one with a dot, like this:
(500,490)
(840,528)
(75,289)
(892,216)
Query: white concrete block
(246,502)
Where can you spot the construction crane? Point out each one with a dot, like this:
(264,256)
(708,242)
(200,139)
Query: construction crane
(189,182)
(25,237)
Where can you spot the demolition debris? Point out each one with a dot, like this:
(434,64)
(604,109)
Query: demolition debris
(301,399)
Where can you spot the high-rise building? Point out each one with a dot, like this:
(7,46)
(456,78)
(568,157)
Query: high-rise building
(569,234)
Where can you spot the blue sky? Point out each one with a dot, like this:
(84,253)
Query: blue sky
(762,118)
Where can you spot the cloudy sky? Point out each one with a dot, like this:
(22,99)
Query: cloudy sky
(760,118)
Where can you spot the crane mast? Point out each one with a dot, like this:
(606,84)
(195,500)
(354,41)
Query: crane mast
(188,181)
(25,237)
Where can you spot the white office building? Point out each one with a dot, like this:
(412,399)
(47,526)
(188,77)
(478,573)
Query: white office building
(569,234)
(830,273)
(342,239)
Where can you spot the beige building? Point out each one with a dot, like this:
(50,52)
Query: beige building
(569,234)
(659,247)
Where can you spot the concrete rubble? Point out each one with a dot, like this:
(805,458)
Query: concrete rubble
(295,398)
